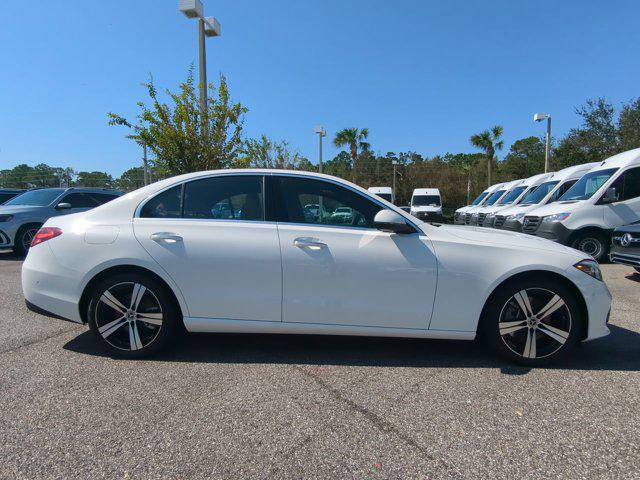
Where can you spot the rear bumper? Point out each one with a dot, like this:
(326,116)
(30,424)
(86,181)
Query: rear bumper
(49,287)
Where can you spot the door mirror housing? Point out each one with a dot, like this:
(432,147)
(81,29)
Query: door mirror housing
(63,206)
(610,195)
(390,221)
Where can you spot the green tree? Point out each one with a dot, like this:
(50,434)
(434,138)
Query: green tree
(465,163)
(180,138)
(94,179)
(489,142)
(131,179)
(525,158)
(629,125)
(266,153)
(354,140)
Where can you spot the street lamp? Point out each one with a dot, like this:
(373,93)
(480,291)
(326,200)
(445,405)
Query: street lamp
(207,27)
(321,133)
(539,117)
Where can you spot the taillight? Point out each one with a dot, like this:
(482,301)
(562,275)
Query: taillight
(44,234)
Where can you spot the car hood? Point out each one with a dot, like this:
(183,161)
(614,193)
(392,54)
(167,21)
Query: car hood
(507,238)
(632,228)
(557,207)
(516,209)
(13,209)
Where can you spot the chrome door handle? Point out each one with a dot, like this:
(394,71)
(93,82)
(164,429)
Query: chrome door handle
(167,237)
(305,242)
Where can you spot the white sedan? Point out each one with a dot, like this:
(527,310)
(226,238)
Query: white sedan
(139,268)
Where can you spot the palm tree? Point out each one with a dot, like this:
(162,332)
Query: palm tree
(489,141)
(355,140)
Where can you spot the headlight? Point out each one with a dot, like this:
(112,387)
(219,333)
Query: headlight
(590,267)
(518,216)
(6,218)
(474,215)
(490,216)
(558,217)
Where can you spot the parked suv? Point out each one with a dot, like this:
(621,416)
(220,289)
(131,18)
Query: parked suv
(625,245)
(606,197)
(23,215)
(7,194)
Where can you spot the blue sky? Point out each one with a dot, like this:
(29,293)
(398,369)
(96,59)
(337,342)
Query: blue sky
(422,75)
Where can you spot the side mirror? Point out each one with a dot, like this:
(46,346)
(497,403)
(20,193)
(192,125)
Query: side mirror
(390,221)
(63,206)
(610,195)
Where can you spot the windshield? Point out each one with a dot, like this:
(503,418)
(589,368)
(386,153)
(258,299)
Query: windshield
(424,200)
(37,198)
(512,195)
(494,197)
(386,196)
(537,194)
(479,198)
(588,185)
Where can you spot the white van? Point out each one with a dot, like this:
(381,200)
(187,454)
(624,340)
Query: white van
(606,197)
(383,192)
(426,204)
(547,192)
(513,197)
(477,217)
(459,217)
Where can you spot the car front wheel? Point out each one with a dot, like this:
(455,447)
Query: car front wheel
(533,322)
(592,243)
(132,315)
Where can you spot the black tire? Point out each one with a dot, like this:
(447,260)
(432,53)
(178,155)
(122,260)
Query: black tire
(143,330)
(23,238)
(592,243)
(530,341)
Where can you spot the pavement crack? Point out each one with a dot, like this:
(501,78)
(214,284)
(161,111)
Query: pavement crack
(378,422)
(36,341)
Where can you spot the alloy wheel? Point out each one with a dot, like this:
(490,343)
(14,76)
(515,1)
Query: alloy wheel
(129,316)
(535,323)
(27,237)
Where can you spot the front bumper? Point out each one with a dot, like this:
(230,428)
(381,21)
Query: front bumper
(598,300)
(554,231)
(512,225)
(625,255)
(428,216)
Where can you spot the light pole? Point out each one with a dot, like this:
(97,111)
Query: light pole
(207,27)
(394,163)
(321,133)
(539,117)
(145,164)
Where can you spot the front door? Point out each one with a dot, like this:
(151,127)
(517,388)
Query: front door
(627,208)
(211,237)
(338,269)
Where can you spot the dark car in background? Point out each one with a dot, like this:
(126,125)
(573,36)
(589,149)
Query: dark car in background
(625,245)
(7,194)
(24,214)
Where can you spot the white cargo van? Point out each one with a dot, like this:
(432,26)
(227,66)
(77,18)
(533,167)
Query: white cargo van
(547,192)
(383,192)
(426,204)
(513,197)
(462,216)
(477,217)
(606,197)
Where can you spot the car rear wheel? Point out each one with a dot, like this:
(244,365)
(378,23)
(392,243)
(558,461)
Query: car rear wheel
(533,322)
(133,315)
(23,238)
(592,243)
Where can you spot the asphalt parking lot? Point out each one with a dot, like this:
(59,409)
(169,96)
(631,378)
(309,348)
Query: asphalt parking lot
(255,406)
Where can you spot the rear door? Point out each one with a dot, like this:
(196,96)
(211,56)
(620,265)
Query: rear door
(210,235)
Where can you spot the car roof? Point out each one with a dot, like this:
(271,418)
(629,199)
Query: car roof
(624,159)
(380,189)
(426,191)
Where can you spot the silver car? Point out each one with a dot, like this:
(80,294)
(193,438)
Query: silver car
(23,215)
